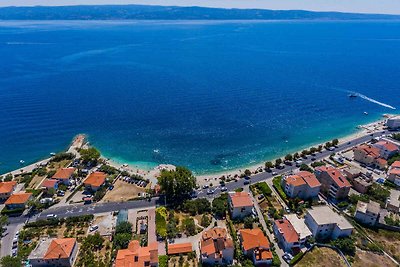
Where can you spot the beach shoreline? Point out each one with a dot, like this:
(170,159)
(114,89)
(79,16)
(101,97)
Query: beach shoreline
(81,141)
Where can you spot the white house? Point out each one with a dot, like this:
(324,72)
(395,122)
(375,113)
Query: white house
(240,204)
(324,223)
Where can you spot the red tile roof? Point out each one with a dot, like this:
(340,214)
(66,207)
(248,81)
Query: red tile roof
(389,146)
(96,179)
(49,183)
(137,256)
(63,173)
(253,238)
(369,150)
(60,248)
(396,164)
(302,178)
(286,229)
(214,241)
(179,248)
(395,171)
(336,176)
(240,199)
(7,187)
(18,198)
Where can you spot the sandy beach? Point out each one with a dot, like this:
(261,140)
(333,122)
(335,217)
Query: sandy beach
(80,141)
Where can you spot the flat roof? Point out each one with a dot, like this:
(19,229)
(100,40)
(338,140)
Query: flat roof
(41,248)
(325,215)
(299,225)
(394,197)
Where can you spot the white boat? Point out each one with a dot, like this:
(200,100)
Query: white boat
(22,161)
(365,113)
(52,154)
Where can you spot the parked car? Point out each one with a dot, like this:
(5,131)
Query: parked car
(274,173)
(51,216)
(93,228)
(287,257)
(246,182)
(210,191)
(205,186)
(223,189)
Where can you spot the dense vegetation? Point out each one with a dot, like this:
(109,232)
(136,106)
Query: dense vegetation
(177,184)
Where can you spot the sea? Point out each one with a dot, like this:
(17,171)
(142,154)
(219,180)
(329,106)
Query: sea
(208,95)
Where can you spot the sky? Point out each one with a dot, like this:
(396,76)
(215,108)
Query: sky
(357,6)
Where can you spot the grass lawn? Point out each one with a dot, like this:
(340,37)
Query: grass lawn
(321,257)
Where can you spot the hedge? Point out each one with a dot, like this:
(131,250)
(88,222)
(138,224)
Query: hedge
(277,184)
(6,211)
(296,258)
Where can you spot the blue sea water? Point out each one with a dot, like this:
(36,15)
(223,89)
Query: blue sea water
(203,94)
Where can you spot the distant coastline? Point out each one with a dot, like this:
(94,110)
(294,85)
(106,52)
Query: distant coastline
(154,12)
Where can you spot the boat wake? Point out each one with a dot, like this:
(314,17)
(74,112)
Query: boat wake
(373,100)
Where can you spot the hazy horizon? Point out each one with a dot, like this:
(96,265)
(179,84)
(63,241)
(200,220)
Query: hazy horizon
(353,6)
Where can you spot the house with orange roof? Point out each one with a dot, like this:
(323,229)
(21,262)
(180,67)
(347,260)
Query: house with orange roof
(287,236)
(64,175)
(333,182)
(137,256)
(6,189)
(256,246)
(393,173)
(179,249)
(216,247)
(49,183)
(240,204)
(302,185)
(54,252)
(369,155)
(95,180)
(386,149)
(18,201)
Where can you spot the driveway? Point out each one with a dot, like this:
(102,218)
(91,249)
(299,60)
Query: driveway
(7,239)
(271,237)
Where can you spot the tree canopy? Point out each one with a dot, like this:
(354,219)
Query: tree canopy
(177,184)
(89,154)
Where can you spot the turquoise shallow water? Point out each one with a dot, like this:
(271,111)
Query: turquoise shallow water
(208,95)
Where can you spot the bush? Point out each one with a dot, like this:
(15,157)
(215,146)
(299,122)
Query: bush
(163,261)
(296,258)
(62,156)
(317,164)
(305,167)
(161,224)
(264,188)
(277,184)
(346,245)
(220,205)
(197,206)
(205,220)
(124,228)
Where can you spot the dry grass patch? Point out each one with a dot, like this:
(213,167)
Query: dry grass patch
(389,240)
(122,191)
(370,259)
(321,257)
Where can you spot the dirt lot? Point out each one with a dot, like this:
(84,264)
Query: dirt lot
(321,257)
(369,259)
(122,192)
(389,240)
(106,223)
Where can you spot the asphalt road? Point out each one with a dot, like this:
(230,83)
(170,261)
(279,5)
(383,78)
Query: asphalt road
(80,209)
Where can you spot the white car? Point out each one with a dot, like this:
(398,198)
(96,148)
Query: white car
(93,228)
(51,216)
(274,173)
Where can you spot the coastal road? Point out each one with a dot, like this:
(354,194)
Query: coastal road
(262,176)
(80,209)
